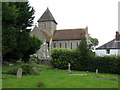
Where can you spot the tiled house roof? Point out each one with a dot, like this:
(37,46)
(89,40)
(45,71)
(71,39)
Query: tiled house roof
(69,34)
(113,44)
(47,16)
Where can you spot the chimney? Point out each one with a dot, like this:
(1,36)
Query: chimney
(117,36)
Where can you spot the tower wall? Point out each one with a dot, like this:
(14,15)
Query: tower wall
(48,26)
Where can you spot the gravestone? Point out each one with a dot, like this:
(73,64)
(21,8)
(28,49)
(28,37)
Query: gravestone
(69,71)
(96,72)
(19,73)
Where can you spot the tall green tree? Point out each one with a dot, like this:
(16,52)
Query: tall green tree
(85,50)
(83,47)
(17,17)
(25,18)
(9,33)
(93,43)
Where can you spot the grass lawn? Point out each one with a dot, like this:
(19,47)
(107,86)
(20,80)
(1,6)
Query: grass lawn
(58,79)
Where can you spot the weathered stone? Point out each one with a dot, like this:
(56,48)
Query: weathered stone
(69,71)
(19,73)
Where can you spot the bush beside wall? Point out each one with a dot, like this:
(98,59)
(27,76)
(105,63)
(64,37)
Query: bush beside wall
(61,58)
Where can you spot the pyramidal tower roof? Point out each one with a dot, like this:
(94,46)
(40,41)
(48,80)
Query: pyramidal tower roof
(47,16)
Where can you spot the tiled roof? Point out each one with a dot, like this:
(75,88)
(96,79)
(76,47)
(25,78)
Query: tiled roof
(113,44)
(47,16)
(69,34)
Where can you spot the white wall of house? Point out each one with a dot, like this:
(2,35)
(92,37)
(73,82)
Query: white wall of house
(104,52)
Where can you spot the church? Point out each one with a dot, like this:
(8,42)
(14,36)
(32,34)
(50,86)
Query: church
(53,38)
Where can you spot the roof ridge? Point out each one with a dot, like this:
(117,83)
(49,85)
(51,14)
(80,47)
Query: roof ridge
(73,29)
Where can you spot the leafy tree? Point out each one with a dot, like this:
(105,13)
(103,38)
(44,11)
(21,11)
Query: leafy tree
(17,17)
(34,46)
(9,33)
(85,50)
(83,47)
(9,15)
(25,18)
(93,43)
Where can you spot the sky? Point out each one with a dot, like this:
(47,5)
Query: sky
(101,16)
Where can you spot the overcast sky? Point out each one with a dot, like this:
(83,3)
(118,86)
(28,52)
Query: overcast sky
(101,16)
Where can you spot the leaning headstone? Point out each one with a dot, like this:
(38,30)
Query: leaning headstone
(69,71)
(19,73)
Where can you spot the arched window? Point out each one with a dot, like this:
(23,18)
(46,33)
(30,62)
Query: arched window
(65,45)
(60,45)
(77,44)
(71,45)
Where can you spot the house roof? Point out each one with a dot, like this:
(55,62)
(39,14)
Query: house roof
(69,34)
(113,44)
(47,16)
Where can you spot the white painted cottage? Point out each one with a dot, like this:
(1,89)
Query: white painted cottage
(110,48)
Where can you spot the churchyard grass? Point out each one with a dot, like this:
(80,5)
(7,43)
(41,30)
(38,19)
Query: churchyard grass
(53,78)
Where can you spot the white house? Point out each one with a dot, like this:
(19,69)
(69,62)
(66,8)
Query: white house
(110,48)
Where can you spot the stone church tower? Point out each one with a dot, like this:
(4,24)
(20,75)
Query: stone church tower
(47,22)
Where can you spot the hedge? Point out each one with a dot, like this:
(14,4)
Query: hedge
(107,64)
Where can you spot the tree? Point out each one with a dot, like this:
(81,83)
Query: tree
(34,44)
(17,17)
(9,33)
(93,43)
(9,15)
(83,47)
(85,50)
(25,18)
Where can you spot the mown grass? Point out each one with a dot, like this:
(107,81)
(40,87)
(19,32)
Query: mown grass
(58,79)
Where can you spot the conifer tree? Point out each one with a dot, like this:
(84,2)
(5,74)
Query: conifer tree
(16,42)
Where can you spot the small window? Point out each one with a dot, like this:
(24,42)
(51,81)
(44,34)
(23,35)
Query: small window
(108,51)
(77,44)
(54,45)
(65,45)
(60,45)
(71,45)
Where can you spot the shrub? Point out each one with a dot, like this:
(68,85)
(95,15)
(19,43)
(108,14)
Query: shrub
(40,84)
(106,64)
(13,71)
(35,59)
(28,69)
